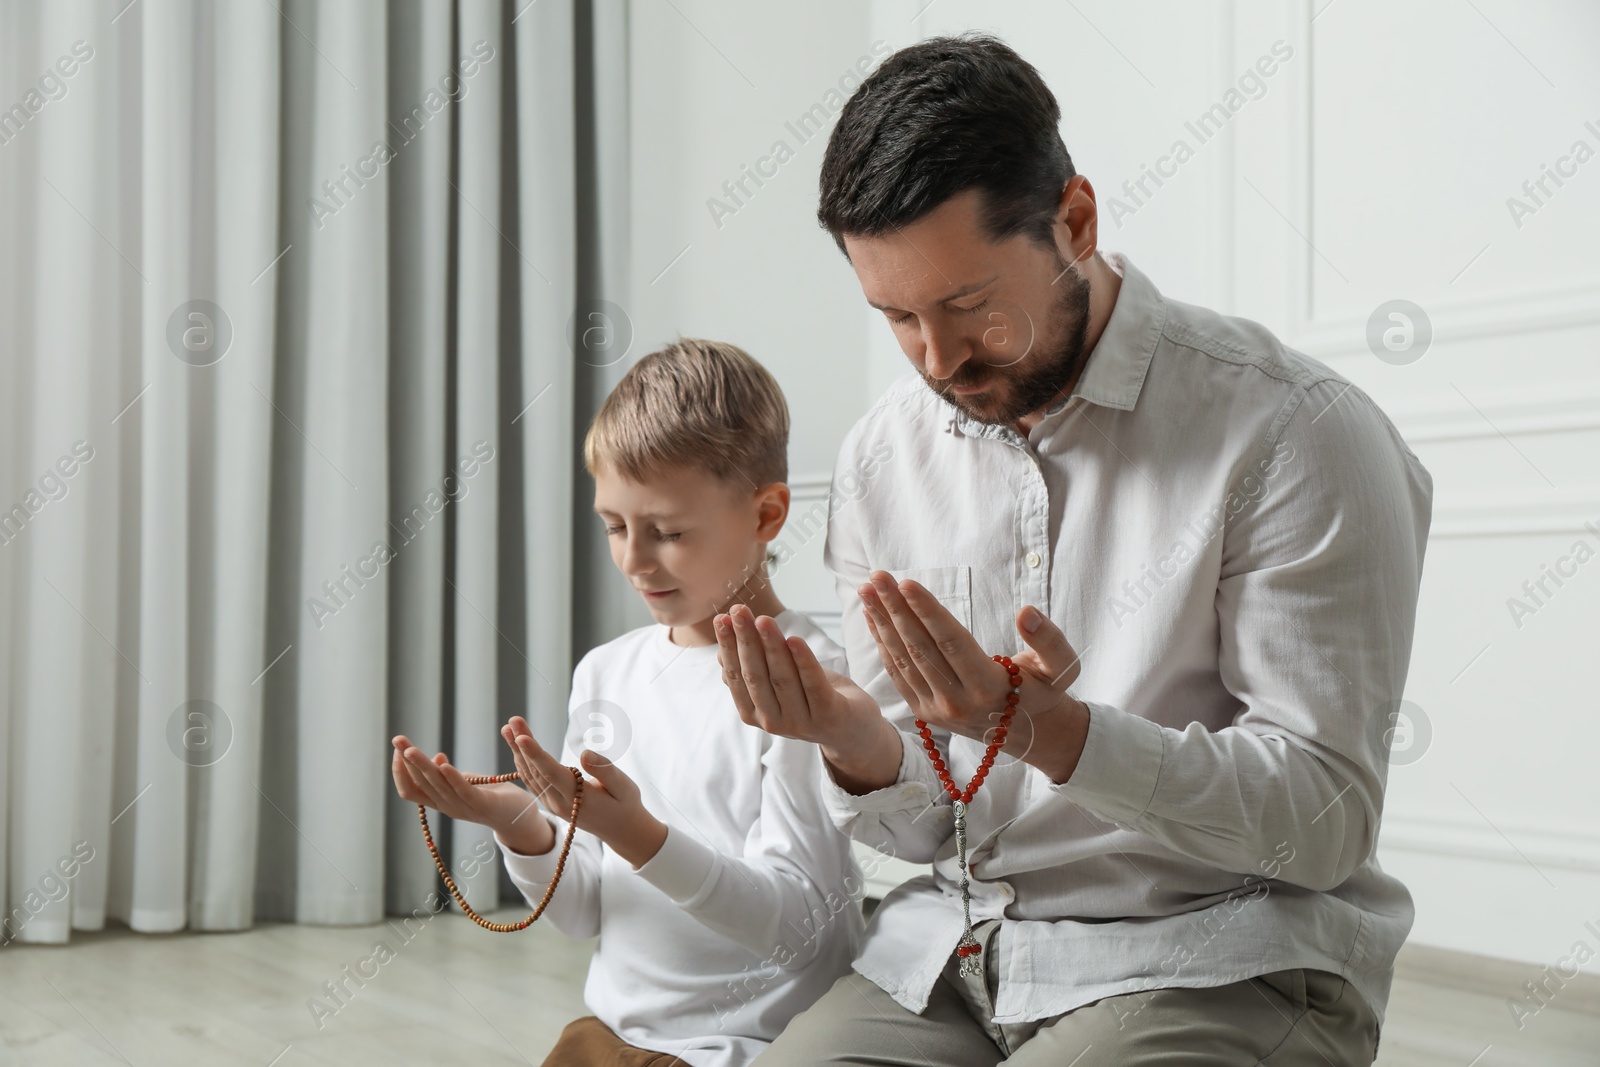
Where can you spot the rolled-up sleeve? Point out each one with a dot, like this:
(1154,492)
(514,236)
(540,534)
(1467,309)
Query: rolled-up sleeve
(1316,605)
(908,820)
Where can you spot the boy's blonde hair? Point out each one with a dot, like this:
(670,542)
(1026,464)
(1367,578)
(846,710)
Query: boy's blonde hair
(698,404)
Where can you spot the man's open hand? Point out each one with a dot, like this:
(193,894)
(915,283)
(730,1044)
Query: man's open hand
(950,681)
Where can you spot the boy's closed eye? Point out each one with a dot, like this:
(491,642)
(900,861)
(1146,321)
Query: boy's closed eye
(661,535)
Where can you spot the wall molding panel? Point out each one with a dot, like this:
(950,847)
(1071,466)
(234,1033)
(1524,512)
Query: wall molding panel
(1574,848)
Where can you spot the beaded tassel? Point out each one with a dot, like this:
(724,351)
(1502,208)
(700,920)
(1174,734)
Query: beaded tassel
(967,948)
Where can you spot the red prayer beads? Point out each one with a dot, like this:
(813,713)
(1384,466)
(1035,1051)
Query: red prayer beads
(968,948)
(966,795)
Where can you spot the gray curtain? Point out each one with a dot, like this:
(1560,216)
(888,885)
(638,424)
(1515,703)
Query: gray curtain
(288,403)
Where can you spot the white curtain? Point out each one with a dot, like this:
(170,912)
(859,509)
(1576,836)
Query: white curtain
(286,442)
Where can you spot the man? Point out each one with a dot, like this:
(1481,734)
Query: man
(1174,861)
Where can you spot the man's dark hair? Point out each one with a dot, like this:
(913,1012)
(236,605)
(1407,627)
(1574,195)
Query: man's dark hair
(937,118)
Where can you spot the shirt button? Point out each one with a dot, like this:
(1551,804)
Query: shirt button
(1033,559)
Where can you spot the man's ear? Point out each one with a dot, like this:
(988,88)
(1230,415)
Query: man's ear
(1077,226)
(772,503)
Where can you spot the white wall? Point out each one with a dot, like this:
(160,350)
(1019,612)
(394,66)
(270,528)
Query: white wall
(716,87)
(1374,163)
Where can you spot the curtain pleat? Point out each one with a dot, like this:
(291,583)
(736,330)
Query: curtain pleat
(544,424)
(238,420)
(289,289)
(472,591)
(420,43)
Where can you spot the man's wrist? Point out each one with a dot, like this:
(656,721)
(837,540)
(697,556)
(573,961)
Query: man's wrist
(1058,739)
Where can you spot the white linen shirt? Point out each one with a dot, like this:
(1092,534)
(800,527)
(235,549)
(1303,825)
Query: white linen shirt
(1231,535)
(751,908)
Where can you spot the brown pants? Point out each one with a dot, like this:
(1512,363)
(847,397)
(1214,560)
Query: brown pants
(588,1042)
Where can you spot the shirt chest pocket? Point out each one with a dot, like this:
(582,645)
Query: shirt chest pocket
(951,586)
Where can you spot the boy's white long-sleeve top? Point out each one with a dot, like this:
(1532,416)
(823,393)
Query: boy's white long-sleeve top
(751,908)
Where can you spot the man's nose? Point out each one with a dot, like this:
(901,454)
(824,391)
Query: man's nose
(943,351)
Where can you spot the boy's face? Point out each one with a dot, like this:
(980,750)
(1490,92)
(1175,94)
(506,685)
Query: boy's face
(688,541)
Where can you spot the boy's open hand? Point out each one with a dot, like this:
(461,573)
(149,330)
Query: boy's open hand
(778,686)
(612,808)
(436,784)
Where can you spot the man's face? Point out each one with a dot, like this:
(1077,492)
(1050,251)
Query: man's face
(995,328)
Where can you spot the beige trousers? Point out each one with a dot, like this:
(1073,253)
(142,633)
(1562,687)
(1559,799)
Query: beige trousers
(1293,1018)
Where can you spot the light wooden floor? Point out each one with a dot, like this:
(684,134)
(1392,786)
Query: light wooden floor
(454,994)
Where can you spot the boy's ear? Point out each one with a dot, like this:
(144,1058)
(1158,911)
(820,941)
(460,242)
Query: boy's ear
(772,502)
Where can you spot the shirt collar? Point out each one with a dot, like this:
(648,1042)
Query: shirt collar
(1115,372)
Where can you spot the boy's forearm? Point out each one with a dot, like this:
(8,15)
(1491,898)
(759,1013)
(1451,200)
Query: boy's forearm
(636,837)
(639,839)
(866,767)
(522,825)
(530,835)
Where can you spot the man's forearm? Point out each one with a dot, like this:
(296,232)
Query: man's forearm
(869,766)
(1058,739)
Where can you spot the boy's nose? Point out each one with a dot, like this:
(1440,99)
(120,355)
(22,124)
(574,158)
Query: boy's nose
(637,559)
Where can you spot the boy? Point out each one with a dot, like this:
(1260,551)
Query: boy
(723,896)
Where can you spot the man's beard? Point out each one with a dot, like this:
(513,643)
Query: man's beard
(1042,374)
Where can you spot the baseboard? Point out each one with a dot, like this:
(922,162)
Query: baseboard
(1493,977)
